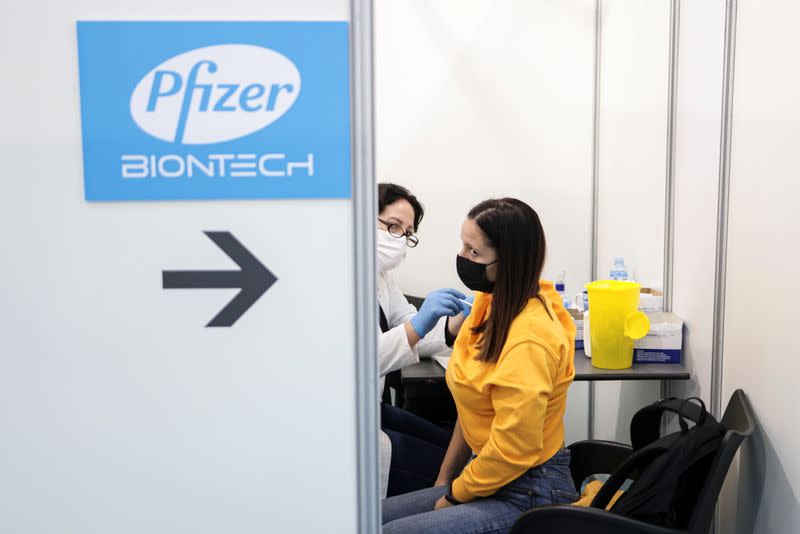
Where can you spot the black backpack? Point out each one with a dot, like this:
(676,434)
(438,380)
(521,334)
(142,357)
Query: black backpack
(671,469)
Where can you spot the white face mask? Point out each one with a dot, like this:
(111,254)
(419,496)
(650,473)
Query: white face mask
(391,251)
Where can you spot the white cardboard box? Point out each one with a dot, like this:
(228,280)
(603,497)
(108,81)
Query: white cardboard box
(651,300)
(577,317)
(663,343)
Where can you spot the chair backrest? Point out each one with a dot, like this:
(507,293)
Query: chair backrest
(415,301)
(394,380)
(739,422)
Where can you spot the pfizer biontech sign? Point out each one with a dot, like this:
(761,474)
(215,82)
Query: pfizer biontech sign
(244,88)
(214,110)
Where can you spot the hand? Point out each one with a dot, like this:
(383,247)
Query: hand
(440,303)
(454,323)
(442,503)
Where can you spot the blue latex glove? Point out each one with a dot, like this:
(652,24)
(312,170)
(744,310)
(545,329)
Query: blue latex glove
(440,303)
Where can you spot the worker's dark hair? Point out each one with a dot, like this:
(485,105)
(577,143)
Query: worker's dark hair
(391,193)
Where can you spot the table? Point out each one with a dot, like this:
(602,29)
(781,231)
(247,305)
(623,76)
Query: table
(430,371)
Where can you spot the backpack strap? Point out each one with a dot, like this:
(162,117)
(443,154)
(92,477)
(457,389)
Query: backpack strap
(646,423)
(638,459)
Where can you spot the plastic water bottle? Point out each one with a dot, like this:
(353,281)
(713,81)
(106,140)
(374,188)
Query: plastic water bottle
(561,288)
(619,271)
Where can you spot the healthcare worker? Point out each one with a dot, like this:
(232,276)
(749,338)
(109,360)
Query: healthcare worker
(412,448)
(511,366)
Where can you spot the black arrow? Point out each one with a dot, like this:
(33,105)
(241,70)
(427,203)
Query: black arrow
(253,279)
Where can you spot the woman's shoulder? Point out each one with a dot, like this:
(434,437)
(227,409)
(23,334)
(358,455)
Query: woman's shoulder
(538,323)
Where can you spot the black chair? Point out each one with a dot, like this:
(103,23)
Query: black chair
(415,301)
(591,457)
(394,379)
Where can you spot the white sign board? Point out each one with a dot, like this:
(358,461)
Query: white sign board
(123,407)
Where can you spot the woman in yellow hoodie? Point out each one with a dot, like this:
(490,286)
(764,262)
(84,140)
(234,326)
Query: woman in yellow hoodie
(511,366)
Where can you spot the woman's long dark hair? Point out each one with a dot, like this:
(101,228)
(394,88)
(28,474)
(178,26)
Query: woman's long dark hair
(515,232)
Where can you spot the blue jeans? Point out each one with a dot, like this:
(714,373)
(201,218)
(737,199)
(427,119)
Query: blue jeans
(548,483)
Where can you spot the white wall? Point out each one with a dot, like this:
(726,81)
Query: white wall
(697,146)
(632,169)
(119,411)
(760,355)
(480,99)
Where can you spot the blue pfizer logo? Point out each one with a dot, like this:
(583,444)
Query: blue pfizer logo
(214,94)
(215,110)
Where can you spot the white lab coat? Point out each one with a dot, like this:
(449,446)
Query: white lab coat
(394,352)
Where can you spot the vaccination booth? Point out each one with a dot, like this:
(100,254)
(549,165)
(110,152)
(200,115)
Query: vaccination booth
(188,340)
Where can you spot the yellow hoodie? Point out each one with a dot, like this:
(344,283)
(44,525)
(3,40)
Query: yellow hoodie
(511,411)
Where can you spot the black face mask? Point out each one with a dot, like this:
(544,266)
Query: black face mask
(473,274)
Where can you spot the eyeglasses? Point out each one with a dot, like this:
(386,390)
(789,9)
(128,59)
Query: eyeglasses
(395,230)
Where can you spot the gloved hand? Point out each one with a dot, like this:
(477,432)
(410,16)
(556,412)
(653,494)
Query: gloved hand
(440,303)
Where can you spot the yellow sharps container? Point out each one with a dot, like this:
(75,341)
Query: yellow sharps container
(615,322)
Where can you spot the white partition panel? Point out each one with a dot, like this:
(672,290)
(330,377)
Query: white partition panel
(120,410)
(698,123)
(634,69)
(759,355)
(633,136)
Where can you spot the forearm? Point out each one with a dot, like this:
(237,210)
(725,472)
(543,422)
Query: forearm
(413,337)
(458,453)
(454,324)
(432,342)
(394,352)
